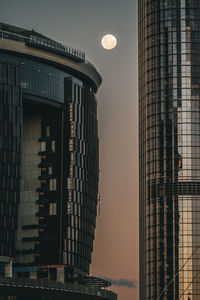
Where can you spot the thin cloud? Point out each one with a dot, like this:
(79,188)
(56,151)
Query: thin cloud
(123,282)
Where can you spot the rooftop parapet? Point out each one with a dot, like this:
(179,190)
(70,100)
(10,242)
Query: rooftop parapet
(34,39)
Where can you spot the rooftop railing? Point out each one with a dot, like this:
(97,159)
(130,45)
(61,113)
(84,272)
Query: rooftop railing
(13,37)
(47,44)
(54,285)
(55,47)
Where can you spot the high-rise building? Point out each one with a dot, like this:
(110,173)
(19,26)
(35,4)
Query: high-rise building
(169,148)
(49,165)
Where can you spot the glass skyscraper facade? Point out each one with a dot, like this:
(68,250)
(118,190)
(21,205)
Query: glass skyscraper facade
(169,149)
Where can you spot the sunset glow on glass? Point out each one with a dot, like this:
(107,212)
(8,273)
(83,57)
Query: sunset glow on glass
(109,42)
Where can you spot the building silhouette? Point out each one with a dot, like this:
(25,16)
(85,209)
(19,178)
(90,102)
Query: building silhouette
(169,149)
(49,165)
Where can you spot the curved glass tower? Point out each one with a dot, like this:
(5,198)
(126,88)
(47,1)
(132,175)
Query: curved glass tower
(49,165)
(169,149)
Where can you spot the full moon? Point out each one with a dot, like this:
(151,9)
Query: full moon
(109,42)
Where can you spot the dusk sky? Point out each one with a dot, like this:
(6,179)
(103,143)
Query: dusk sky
(82,23)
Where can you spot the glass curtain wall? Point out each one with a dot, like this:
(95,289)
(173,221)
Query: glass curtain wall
(11,113)
(169,141)
(82,174)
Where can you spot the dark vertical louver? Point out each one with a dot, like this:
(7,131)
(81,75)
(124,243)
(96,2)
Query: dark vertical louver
(10,154)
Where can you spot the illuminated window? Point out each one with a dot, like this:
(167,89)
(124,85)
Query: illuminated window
(53,146)
(43,146)
(52,184)
(50,170)
(69,183)
(71,145)
(52,209)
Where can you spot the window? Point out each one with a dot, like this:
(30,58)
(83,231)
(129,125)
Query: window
(53,146)
(48,131)
(50,170)
(69,183)
(52,209)
(52,184)
(43,146)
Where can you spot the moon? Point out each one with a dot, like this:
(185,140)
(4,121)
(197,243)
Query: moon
(109,42)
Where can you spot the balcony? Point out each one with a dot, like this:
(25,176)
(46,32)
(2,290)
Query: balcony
(31,286)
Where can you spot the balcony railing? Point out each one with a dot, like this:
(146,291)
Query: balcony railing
(54,285)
